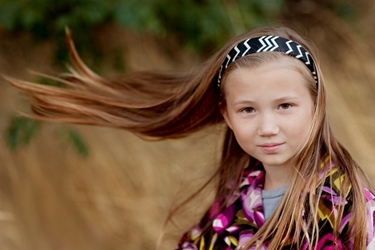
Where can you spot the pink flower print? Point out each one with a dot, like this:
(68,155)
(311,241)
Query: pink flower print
(195,232)
(188,246)
(253,178)
(252,205)
(370,207)
(245,237)
(334,197)
(214,210)
(368,194)
(223,220)
(329,242)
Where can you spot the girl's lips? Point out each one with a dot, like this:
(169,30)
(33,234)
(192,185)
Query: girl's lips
(270,147)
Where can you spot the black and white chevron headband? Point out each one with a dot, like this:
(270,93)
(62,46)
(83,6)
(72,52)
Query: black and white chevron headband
(267,44)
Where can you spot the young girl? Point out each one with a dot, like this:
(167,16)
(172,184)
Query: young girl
(284,181)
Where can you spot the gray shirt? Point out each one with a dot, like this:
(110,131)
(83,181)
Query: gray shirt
(271,199)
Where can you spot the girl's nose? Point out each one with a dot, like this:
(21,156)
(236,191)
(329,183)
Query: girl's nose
(268,125)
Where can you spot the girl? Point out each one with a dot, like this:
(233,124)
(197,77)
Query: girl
(284,181)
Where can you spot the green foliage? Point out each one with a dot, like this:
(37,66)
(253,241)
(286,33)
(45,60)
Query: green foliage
(137,14)
(345,11)
(22,130)
(76,139)
(197,24)
(201,25)
(46,18)
(69,136)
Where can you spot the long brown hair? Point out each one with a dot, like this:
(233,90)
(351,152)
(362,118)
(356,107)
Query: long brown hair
(173,105)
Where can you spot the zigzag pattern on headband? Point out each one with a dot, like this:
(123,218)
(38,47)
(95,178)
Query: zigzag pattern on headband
(264,44)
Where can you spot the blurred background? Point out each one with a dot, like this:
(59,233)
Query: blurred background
(81,187)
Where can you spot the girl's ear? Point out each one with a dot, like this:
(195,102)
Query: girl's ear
(224,113)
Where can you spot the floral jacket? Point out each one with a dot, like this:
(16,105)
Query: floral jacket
(241,219)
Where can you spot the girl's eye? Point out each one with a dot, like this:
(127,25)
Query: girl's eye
(248,110)
(285,106)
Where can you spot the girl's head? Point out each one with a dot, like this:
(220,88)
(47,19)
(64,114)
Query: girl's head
(269,108)
(283,77)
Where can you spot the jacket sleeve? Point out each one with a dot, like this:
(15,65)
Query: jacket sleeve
(370,211)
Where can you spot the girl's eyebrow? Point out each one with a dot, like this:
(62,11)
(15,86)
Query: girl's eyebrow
(243,101)
(286,98)
(280,99)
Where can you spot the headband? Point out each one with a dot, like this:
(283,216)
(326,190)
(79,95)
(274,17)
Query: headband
(264,44)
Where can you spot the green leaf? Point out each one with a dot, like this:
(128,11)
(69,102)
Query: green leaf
(8,14)
(71,137)
(136,14)
(31,17)
(346,12)
(77,141)
(20,131)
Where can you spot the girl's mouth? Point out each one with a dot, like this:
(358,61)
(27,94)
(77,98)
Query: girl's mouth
(271,147)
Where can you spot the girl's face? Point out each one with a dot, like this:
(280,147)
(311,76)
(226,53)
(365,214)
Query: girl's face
(270,110)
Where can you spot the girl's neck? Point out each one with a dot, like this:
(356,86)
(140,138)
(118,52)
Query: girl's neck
(277,177)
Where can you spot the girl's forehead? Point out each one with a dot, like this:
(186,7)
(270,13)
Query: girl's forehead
(272,80)
(281,69)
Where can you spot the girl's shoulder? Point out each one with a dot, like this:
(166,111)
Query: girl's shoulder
(338,191)
(338,199)
(370,197)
